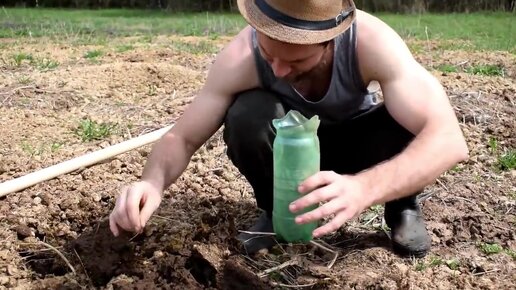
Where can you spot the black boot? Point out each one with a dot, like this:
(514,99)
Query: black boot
(408,231)
(252,243)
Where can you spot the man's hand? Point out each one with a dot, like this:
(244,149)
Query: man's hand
(134,207)
(343,195)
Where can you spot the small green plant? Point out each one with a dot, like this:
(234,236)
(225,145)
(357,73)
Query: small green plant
(124,48)
(92,54)
(447,68)
(511,253)
(507,161)
(493,145)
(457,168)
(513,195)
(377,208)
(55,146)
(146,39)
(421,266)
(24,80)
(20,57)
(436,261)
(152,90)
(490,249)
(486,70)
(45,64)
(90,130)
(31,149)
(453,264)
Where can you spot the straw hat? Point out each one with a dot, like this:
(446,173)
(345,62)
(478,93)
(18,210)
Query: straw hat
(299,21)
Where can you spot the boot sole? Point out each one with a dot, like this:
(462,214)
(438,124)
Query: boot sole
(404,252)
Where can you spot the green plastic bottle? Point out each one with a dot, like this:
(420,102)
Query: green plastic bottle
(296,157)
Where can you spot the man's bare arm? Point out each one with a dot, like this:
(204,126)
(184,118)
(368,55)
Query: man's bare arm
(232,71)
(419,103)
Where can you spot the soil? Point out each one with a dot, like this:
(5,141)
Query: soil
(190,242)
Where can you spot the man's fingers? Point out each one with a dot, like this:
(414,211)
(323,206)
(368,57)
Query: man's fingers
(314,197)
(113,226)
(333,225)
(151,204)
(323,211)
(317,180)
(132,208)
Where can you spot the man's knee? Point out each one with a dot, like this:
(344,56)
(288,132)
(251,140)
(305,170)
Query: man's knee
(251,113)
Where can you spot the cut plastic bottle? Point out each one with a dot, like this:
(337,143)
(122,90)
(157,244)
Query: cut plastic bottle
(296,155)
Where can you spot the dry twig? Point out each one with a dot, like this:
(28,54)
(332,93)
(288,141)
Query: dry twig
(266,272)
(486,272)
(371,220)
(17,89)
(258,233)
(335,253)
(134,237)
(164,218)
(293,286)
(60,255)
(84,268)
(442,184)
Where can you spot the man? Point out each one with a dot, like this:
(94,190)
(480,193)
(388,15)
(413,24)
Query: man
(316,57)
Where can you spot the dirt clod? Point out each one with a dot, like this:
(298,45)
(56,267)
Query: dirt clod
(23,231)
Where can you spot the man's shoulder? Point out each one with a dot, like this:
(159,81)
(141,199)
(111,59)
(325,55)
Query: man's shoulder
(370,27)
(382,53)
(238,49)
(234,66)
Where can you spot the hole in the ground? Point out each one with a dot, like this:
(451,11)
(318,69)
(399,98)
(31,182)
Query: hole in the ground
(202,270)
(45,263)
(40,235)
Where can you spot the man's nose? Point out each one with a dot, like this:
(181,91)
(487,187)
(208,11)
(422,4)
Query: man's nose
(280,68)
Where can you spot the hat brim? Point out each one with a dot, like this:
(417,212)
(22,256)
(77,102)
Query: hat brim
(261,22)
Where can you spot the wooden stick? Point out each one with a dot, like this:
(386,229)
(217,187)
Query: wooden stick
(78,162)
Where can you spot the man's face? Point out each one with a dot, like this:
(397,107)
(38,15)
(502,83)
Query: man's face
(290,62)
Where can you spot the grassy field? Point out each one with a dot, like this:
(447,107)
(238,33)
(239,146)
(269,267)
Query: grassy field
(491,31)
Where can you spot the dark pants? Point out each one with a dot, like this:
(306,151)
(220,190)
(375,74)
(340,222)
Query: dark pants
(346,148)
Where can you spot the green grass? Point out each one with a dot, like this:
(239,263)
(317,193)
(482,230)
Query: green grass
(19,59)
(40,149)
(493,145)
(490,31)
(90,130)
(124,48)
(447,68)
(507,160)
(453,264)
(490,249)
(494,31)
(91,54)
(486,70)
(107,23)
(480,69)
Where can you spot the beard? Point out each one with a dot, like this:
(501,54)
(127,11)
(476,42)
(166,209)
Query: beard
(296,77)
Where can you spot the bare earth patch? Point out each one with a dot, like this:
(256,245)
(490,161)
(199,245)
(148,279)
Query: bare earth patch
(189,243)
